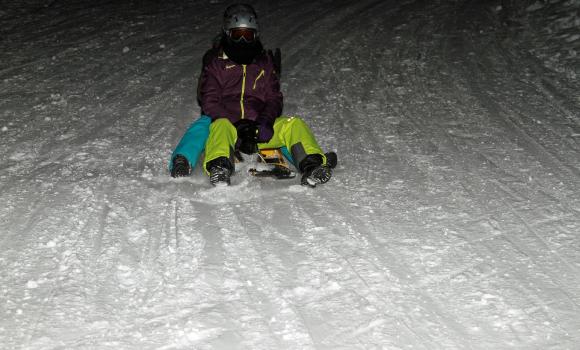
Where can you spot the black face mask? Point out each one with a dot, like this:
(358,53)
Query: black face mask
(242,52)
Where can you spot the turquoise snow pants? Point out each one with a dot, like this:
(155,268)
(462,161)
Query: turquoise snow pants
(192,143)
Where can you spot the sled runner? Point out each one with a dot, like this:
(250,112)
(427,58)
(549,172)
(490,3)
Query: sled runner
(279,166)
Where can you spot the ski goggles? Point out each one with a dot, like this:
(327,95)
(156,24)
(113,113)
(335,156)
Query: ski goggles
(239,34)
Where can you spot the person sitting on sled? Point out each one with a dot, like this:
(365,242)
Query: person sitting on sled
(240,92)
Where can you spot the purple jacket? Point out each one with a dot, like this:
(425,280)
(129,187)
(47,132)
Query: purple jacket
(233,91)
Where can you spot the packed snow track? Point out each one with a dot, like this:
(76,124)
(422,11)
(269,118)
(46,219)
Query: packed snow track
(451,222)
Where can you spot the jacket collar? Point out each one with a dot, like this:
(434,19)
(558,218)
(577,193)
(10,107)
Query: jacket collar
(223,55)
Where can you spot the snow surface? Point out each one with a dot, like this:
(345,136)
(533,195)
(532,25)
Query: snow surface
(452,221)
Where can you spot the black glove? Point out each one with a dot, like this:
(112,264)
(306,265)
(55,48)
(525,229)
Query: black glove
(247,129)
(247,135)
(248,147)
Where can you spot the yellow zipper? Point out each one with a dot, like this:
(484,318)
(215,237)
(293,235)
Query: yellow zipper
(258,78)
(243,91)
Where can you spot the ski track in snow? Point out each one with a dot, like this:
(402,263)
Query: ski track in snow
(451,222)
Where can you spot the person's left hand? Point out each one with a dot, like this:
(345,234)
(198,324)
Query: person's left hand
(248,135)
(247,129)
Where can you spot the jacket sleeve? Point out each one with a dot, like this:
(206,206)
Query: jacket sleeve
(274,98)
(273,104)
(205,61)
(211,91)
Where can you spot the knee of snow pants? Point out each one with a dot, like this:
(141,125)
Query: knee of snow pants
(221,141)
(294,134)
(193,141)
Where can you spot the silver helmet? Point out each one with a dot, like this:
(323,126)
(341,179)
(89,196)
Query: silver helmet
(240,16)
